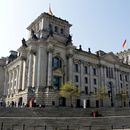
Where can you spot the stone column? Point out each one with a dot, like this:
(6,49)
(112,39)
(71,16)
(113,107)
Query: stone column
(34,71)
(24,75)
(101,77)
(49,77)
(17,75)
(82,77)
(41,67)
(20,75)
(91,78)
(9,83)
(6,82)
(116,80)
(105,80)
(128,83)
(70,68)
(30,70)
(13,81)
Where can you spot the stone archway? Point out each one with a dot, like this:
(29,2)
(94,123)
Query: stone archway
(20,101)
(12,104)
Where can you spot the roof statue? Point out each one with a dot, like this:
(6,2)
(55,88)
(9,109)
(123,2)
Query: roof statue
(24,43)
(69,40)
(33,35)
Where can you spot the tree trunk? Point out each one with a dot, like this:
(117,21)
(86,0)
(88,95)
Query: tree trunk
(101,102)
(71,102)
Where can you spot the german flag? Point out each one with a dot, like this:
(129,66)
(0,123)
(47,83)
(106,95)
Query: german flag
(124,44)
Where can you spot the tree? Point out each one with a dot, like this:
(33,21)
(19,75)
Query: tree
(122,96)
(68,90)
(101,94)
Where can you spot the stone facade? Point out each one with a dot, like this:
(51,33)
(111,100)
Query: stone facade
(124,56)
(49,59)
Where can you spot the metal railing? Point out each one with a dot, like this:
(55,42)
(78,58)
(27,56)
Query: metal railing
(5,126)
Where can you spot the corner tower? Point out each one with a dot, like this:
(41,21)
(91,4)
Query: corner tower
(47,24)
(48,46)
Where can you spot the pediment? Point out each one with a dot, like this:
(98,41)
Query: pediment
(110,57)
(58,71)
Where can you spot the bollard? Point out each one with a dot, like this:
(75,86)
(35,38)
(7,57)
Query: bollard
(90,127)
(67,127)
(45,127)
(112,127)
(2,124)
(23,126)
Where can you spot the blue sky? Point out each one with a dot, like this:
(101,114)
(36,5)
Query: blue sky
(98,24)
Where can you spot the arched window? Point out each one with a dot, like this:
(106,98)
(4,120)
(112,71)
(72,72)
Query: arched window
(56,63)
(62,31)
(56,29)
(56,82)
(50,27)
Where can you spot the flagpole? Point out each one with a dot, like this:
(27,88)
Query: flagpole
(50,11)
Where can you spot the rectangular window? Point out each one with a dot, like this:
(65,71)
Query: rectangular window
(86,80)
(107,72)
(120,77)
(86,90)
(126,78)
(86,70)
(94,71)
(95,81)
(62,31)
(127,86)
(76,78)
(56,29)
(95,90)
(76,68)
(121,85)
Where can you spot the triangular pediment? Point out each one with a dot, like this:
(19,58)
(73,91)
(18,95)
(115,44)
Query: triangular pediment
(110,57)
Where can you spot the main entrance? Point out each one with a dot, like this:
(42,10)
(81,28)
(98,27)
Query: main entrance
(88,103)
(62,101)
(97,103)
(20,102)
(78,103)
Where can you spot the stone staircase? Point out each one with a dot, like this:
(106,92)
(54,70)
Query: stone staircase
(78,118)
(62,112)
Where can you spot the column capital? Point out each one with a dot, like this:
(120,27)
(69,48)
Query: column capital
(22,57)
(69,55)
(50,48)
(32,51)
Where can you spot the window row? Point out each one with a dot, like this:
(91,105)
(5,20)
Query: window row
(109,72)
(56,29)
(85,80)
(86,69)
(123,86)
(126,77)
(88,92)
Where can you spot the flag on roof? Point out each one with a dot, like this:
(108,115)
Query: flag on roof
(124,44)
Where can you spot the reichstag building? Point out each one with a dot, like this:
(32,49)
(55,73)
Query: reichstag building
(34,73)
